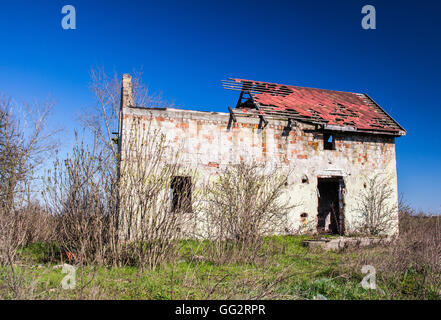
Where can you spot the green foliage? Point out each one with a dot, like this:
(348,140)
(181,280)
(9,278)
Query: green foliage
(41,252)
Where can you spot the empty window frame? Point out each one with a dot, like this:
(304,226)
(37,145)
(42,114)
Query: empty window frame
(181,188)
(328,141)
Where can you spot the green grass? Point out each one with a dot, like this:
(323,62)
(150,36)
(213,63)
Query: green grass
(290,271)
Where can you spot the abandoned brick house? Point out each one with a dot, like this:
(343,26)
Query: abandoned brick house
(333,140)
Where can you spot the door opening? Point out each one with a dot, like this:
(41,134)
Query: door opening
(330,205)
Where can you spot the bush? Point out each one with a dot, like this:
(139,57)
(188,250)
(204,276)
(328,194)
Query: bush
(244,204)
(376,207)
(409,266)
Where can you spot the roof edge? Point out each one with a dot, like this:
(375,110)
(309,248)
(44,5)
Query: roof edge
(401,133)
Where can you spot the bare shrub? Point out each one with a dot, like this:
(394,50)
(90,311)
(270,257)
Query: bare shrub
(155,193)
(148,226)
(81,194)
(40,224)
(114,206)
(19,283)
(409,266)
(245,203)
(416,256)
(24,145)
(11,236)
(376,207)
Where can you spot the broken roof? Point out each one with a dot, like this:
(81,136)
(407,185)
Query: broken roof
(335,110)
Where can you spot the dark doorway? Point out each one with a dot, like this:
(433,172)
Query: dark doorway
(330,205)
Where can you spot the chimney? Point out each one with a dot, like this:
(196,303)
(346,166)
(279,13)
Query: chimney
(126,91)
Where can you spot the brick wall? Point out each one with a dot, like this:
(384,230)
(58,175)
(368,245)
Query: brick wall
(205,142)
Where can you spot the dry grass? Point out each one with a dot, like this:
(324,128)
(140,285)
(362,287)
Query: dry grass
(410,266)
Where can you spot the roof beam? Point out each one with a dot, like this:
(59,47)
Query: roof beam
(258,108)
(232,115)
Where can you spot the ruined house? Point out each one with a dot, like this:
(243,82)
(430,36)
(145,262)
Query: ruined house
(332,139)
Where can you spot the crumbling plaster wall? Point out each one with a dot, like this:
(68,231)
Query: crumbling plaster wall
(205,142)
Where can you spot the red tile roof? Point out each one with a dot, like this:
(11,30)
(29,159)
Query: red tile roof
(332,108)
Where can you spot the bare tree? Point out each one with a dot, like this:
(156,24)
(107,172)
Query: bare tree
(378,211)
(102,119)
(25,143)
(81,194)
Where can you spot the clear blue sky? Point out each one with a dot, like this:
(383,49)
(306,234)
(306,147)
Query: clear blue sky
(186,47)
